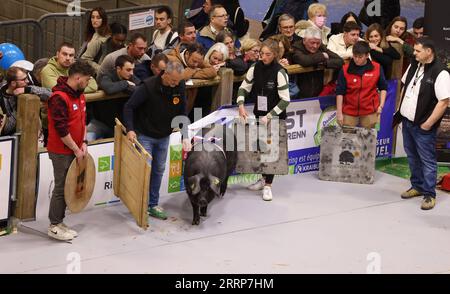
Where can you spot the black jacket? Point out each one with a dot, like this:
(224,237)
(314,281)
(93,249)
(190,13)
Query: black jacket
(265,83)
(238,65)
(237,22)
(311,83)
(112,84)
(8,105)
(385,59)
(152,107)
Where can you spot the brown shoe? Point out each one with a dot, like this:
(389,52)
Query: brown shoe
(428,203)
(411,193)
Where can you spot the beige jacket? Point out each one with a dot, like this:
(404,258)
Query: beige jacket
(93,48)
(337,45)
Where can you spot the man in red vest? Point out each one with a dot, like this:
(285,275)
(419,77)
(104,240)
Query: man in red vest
(66,139)
(358,99)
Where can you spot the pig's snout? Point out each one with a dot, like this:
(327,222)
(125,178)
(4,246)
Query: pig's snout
(202,202)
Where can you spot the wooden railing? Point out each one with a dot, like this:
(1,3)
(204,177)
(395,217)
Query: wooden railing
(223,83)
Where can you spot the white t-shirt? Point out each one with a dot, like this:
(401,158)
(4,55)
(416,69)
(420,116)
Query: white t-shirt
(409,104)
(160,39)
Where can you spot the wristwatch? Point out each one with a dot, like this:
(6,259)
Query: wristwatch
(85,141)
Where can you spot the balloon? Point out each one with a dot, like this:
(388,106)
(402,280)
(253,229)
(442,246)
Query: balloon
(11,54)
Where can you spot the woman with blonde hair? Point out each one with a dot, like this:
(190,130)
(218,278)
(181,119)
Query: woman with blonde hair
(217,55)
(249,55)
(267,84)
(317,14)
(381,51)
(250,50)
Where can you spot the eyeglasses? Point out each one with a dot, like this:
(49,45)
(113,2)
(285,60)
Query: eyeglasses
(23,80)
(287,27)
(223,15)
(256,51)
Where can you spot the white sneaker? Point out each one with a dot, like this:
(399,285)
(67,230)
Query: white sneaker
(59,233)
(258,186)
(71,231)
(267,193)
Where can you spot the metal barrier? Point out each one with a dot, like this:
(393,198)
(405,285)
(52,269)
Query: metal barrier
(26,33)
(58,28)
(41,38)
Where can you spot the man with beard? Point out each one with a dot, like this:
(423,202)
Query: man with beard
(66,139)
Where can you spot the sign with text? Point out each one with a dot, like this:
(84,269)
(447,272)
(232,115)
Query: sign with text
(141,20)
(103,155)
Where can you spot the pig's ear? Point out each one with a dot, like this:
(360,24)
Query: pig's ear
(215,184)
(194,183)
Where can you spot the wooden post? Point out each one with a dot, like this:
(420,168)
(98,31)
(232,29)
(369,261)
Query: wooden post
(222,95)
(118,131)
(28,126)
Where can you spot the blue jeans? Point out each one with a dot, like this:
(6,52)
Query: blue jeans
(293,89)
(158,150)
(420,147)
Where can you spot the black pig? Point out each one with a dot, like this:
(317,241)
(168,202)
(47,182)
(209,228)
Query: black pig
(206,171)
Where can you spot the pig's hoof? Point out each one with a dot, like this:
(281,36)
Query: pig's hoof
(196,222)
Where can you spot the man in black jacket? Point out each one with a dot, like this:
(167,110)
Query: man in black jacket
(148,116)
(121,79)
(425,99)
(311,52)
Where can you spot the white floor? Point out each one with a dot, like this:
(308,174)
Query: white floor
(310,227)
